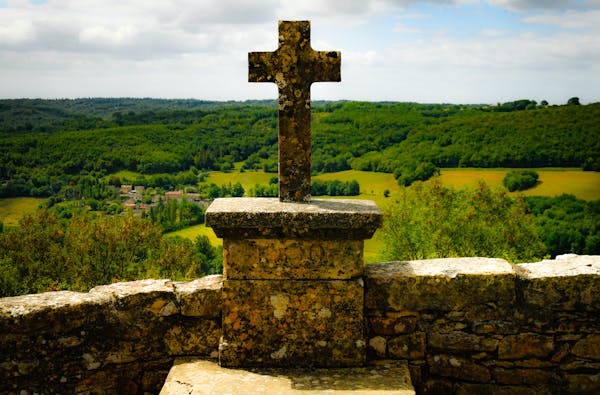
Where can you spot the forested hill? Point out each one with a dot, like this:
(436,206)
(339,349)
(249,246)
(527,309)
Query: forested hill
(45,143)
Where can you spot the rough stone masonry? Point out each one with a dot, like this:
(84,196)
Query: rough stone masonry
(293,291)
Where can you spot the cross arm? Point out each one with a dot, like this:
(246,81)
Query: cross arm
(327,66)
(261,67)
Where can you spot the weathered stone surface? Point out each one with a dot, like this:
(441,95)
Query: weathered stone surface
(294,66)
(292,323)
(192,376)
(439,284)
(200,297)
(193,337)
(154,297)
(118,338)
(322,219)
(525,376)
(393,323)
(45,311)
(588,347)
(292,259)
(525,345)
(494,389)
(587,384)
(458,367)
(570,282)
(378,345)
(461,341)
(407,346)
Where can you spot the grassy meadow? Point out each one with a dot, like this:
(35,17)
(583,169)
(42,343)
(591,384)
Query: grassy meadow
(12,209)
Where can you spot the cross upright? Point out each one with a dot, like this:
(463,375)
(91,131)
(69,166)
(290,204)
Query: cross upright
(294,66)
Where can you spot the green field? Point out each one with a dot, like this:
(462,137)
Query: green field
(552,182)
(12,209)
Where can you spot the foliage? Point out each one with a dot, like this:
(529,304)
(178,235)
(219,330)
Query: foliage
(517,105)
(429,220)
(47,252)
(407,174)
(519,180)
(162,136)
(335,188)
(261,190)
(175,214)
(567,224)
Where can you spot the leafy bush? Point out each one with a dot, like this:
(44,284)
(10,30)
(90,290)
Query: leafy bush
(429,220)
(567,224)
(47,252)
(423,171)
(519,180)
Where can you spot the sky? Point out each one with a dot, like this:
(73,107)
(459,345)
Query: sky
(434,51)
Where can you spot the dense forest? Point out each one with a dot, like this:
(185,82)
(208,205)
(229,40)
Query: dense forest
(46,145)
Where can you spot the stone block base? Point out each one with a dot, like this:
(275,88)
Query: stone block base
(292,323)
(289,259)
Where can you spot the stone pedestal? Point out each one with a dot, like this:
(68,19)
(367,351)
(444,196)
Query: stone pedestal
(293,290)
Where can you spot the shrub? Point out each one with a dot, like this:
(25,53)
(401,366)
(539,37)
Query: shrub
(428,220)
(519,180)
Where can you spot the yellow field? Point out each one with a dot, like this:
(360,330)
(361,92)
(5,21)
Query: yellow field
(197,230)
(553,182)
(248,178)
(12,209)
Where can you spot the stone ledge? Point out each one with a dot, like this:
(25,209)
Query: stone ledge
(563,266)
(193,376)
(438,284)
(238,218)
(200,297)
(569,282)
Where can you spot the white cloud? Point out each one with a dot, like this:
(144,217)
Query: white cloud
(568,20)
(198,48)
(403,29)
(547,5)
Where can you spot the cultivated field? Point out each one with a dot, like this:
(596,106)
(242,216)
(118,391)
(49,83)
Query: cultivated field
(12,209)
(552,182)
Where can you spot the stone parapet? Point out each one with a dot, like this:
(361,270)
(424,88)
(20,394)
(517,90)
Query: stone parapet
(483,326)
(119,338)
(123,338)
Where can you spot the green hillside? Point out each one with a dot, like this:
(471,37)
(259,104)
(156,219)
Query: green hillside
(98,137)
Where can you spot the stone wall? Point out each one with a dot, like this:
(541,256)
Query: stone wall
(483,326)
(119,338)
(466,326)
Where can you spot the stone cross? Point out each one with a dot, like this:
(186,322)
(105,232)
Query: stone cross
(294,66)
